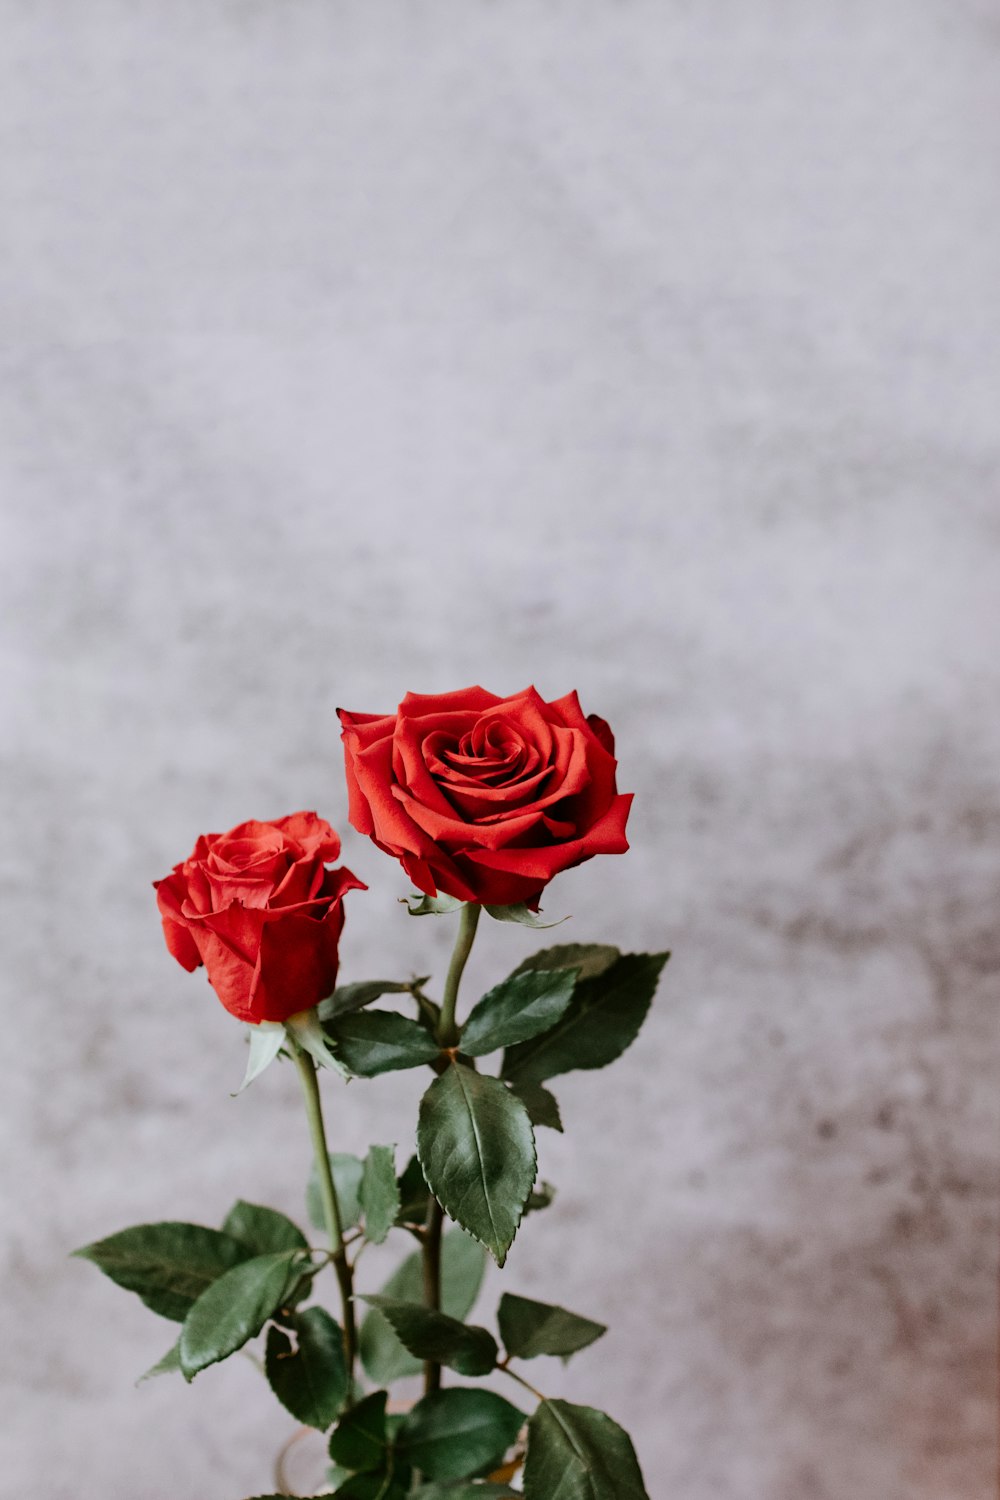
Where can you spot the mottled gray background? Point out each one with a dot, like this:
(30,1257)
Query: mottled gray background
(646,348)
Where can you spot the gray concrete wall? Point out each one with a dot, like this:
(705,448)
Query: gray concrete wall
(649,349)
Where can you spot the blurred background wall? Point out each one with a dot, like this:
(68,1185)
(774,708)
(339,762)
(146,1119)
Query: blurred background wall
(644,348)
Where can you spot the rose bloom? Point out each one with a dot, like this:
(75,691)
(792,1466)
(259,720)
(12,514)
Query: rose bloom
(259,909)
(485,798)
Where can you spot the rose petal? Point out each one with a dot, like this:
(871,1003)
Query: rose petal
(376,783)
(179,941)
(411,772)
(360,731)
(312,833)
(416,705)
(607,836)
(602,731)
(452,830)
(297,964)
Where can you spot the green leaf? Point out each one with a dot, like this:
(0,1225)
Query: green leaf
(428,1011)
(413,1194)
(384,1486)
(602,1020)
(379,1193)
(458,1432)
(589,959)
(431,906)
(462,1491)
(531,1328)
(542,1107)
(264,1231)
(578,1453)
(434,1336)
(347,1174)
(310,1379)
(380,1041)
(477,1151)
(350,997)
(168,1265)
(235,1309)
(462,1265)
(170,1362)
(359,1440)
(522,914)
(542,1195)
(519,1008)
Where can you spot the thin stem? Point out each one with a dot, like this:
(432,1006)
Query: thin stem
(331,1207)
(432,1282)
(448,1035)
(448,1031)
(505,1367)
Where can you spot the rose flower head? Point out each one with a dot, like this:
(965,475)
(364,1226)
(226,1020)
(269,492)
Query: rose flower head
(485,798)
(258,907)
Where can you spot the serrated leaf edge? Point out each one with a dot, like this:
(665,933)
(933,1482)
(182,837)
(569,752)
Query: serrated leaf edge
(500,1260)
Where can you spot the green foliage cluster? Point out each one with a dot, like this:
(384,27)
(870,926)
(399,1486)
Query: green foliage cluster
(569,1007)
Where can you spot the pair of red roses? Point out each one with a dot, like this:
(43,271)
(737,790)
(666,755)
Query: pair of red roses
(482,798)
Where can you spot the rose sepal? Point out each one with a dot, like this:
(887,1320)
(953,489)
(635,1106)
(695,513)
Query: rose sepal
(522,913)
(305,1031)
(266,1041)
(431,906)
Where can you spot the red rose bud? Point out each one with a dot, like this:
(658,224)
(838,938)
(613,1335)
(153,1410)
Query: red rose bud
(485,798)
(259,909)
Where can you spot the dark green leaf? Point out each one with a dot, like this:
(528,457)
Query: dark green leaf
(522,914)
(379,1193)
(350,997)
(578,1453)
(380,1041)
(462,1491)
(458,1432)
(168,1265)
(589,959)
(170,1362)
(428,1011)
(384,1486)
(542,1106)
(434,1336)
(359,1439)
(310,1380)
(437,906)
(413,1194)
(263,1230)
(235,1309)
(542,1195)
(477,1151)
(602,1020)
(462,1267)
(347,1174)
(519,1008)
(531,1328)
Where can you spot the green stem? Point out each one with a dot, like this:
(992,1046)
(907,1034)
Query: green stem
(331,1207)
(506,1370)
(448,1031)
(432,1283)
(448,1034)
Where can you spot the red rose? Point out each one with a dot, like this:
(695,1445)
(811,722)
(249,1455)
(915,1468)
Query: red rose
(482,797)
(257,907)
